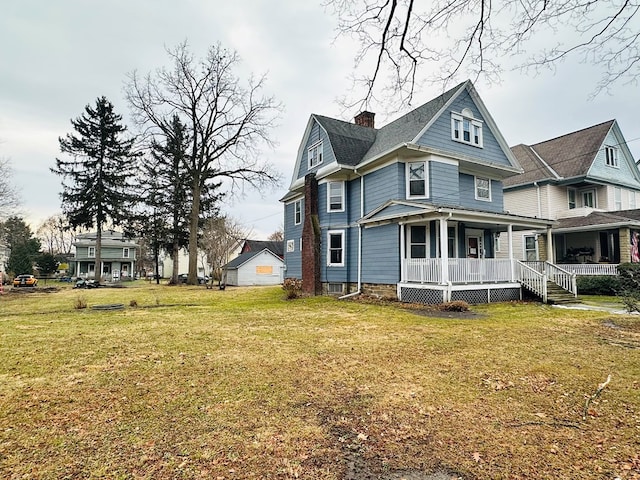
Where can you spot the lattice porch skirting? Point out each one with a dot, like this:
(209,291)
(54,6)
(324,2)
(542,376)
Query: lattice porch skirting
(473,294)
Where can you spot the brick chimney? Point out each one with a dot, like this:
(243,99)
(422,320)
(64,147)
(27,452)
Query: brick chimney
(365,119)
(311,283)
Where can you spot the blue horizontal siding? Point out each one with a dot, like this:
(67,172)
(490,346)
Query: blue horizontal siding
(444,184)
(316,133)
(468,195)
(292,260)
(381,254)
(382,185)
(439,134)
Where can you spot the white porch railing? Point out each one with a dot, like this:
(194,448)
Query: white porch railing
(460,270)
(591,268)
(534,280)
(556,274)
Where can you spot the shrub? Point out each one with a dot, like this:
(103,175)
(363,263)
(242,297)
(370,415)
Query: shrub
(629,277)
(598,285)
(292,288)
(455,306)
(80,303)
(133,303)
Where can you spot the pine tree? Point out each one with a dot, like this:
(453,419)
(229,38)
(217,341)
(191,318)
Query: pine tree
(97,179)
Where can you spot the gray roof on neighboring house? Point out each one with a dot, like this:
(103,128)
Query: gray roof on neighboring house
(600,219)
(276,247)
(569,155)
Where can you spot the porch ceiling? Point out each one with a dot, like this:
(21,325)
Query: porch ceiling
(398,211)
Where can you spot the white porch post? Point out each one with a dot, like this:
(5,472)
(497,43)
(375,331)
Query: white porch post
(510,243)
(444,251)
(550,258)
(403,253)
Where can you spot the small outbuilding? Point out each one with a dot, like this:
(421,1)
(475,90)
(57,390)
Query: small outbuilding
(261,267)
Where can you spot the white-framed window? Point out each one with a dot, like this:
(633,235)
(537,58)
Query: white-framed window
(335,248)
(418,241)
(483,189)
(91,252)
(291,245)
(632,199)
(617,198)
(611,156)
(589,198)
(335,197)
(530,248)
(125,252)
(297,212)
(92,268)
(571,196)
(315,155)
(417,180)
(466,129)
(497,247)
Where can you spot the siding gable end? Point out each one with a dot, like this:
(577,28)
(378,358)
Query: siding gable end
(626,173)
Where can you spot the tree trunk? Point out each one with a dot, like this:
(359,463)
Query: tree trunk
(175,256)
(194,217)
(97,274)
(155,258)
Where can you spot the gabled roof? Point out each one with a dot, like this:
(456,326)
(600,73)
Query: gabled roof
(598,220)
(259,245)
(350,142)
(567,156)
(245,257)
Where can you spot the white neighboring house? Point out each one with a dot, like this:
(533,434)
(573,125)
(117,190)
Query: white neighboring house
(255,268)
(5,252)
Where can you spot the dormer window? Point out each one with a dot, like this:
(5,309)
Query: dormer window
(315,155)
(465,128)
(611,156)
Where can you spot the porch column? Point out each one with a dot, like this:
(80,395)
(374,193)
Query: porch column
(403,255)
(625,244)
(444,251)
(549,246)
(510,248)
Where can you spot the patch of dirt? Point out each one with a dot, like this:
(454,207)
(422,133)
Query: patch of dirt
(623,333)
(24,290)
(438,311)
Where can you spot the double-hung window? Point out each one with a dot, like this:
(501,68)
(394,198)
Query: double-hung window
(589,198)
(92,252)
(418,241)
(466,129)
(483,189)
(335,197)
(125,252)
(632,199)
(611,156)
(297,212)
(617,198)
(315,155)
(417,180)
(571,195)
(335,250)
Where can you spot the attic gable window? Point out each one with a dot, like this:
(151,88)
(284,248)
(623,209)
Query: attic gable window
(465,128)
(315,155)
(611,156)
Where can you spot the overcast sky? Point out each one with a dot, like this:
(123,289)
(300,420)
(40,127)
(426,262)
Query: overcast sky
(58,56)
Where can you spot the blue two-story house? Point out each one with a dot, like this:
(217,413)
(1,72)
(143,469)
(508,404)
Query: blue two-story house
(413,209)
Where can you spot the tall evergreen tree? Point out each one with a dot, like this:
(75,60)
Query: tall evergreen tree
(97,179)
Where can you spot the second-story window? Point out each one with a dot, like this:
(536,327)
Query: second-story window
(611,156)
(466,129)
(617,198)
(571,194)
(125,253)
(335,197)
(297,212)
(483,189)
(92,252)
(417,180)
(632,199)
(589,199)
(315,155)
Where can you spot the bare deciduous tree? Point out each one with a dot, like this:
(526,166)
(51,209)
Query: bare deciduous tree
(56,235)
(226,123)
(220,236)
(277,236)
(401,39)
(9,198)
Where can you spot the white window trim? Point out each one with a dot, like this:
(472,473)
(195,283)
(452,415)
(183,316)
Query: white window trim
(91,252)
(317,145)
(595,199)
(575,198)
(614,160)
(459,117)
(342,196)
(291,246)
(617,198)
(128,252)
(409,243)
(329,234)
(632,200)
(297,207)
(408,180)
(524,246)
(478,197)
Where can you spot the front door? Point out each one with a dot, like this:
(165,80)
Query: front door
(473,247)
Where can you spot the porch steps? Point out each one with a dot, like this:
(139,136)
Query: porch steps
(558,295)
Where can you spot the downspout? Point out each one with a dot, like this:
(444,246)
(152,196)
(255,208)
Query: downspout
(359,289)
(539,199)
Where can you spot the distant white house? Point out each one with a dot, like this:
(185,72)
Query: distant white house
(261,267)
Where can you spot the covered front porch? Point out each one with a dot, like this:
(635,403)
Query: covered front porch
(450,253)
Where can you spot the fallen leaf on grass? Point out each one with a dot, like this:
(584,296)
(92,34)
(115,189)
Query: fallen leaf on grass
(476,457)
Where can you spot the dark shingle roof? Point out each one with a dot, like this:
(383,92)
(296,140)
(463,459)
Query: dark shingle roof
(259,245)
(349,141)
(600,219)
(242,258)
(569,155)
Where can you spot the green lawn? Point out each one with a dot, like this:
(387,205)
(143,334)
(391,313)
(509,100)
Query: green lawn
(242,384)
